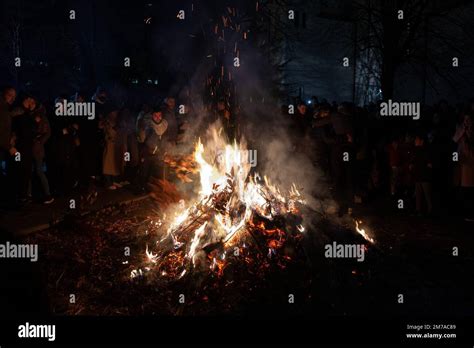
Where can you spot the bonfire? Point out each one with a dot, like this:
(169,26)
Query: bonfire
(234,209)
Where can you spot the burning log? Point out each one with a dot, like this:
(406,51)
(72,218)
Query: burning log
(233,208)
(203,211)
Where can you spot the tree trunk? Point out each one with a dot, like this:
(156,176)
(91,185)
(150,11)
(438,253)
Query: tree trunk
(390,38)
(388,76)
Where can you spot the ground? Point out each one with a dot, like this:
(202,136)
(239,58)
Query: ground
(83,255)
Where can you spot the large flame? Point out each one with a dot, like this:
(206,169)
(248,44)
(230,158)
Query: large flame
(228,198)
(232,203)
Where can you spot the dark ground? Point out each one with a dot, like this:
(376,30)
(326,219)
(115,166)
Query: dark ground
(83,255)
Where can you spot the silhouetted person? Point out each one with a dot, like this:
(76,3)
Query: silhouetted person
(42,133)
(464,137)
(421,167)
(153,148)
(7,150)
(24,129)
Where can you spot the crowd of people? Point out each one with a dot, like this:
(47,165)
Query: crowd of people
(423,165)
(118,146)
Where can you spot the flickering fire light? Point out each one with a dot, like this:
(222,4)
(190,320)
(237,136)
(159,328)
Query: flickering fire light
(232,208)
(236,216)
(362,232)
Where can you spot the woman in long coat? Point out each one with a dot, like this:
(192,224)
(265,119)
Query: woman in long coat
(113,150)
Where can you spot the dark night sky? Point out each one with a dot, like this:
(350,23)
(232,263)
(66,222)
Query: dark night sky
(60,55)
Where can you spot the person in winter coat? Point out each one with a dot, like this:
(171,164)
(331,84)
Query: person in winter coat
(7,98)
(464,137)
(153,148)
(112,164)
(421,169)
(169,114)
(42,132)
(132,157)
(394,159)
(24,133)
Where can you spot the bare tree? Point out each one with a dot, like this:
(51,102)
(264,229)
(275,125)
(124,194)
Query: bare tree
(409,32)
(11,38)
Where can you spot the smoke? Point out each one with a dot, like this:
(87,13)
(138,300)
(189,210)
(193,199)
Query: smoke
(261,123)
(271,135)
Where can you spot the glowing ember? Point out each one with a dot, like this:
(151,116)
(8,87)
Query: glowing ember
(233,207)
